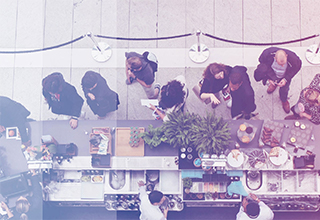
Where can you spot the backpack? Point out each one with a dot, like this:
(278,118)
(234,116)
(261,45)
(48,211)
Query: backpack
(151,59)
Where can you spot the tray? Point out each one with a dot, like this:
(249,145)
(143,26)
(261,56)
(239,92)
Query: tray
(302,136)
(100,130)
(276,131)
(122,147)
(242,134)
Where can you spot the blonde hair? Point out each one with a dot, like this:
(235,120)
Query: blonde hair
(24,216)
(22,206)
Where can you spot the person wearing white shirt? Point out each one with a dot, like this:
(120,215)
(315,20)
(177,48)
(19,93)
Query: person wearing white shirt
(149,206)
(256,209)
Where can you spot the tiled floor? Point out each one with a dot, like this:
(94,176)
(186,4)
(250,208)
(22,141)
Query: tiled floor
(43,23)
(37,24)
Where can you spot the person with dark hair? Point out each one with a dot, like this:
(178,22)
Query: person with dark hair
(13,114)
(173,97)
(277,67)
(138,68)
(62,97)
(149,206)
(241,92)
(253,208)
(308,105)
(100,97)
(215,79)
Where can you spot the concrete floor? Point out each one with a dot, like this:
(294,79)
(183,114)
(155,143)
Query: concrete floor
(36,24)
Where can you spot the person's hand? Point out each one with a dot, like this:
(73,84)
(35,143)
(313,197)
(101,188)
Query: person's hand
(165,212)
(130,74)
(140,183)
(214,99)
(254,197)
(73,123)
(245,203)
(282,83)
(271,82)
(302,114)
(152,107)
(91,96)
(4,206)
(2,129)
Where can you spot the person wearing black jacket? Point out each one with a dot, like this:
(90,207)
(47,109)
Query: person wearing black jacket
(62,97)
(13,114)
(100,97)
(277,67)
(215,78)
(241,92)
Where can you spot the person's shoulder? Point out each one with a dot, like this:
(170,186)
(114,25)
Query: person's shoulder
(240,69)
(271,50)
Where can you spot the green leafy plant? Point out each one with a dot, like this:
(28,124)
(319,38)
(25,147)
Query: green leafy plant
(179,129)
(212,135)
(154,136)
(208,134)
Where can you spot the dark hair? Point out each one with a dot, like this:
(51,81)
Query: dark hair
(253,209)
(171,94)
(53,82)
(213,69)
(155,196)
(134,62)
(89,79)
(235,78)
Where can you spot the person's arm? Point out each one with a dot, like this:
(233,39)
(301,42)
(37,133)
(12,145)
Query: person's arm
(128,72)
(240,213)
(143,83)
(142,191)
(47,97)
(211,96)
(295,63)
(5,207)
(152,107)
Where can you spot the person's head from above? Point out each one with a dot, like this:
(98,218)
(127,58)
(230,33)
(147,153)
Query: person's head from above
(89,80)
(171,94)
(281,57)
(53,83)
(252,209)
(134,64)
(312,96)
(235,81)
(22,205)
(156,198)
(216,70)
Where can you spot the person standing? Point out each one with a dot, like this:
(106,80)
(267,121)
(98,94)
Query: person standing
(13,114)
(138,68)
(173,97)
(241,92)
(253,208)
(277,67)
(149,206)
(308,105)
(62,97)
(215,78)
(100,97)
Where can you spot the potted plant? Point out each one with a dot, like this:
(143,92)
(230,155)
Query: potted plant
(179,129)
(212,135)
(154,136)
